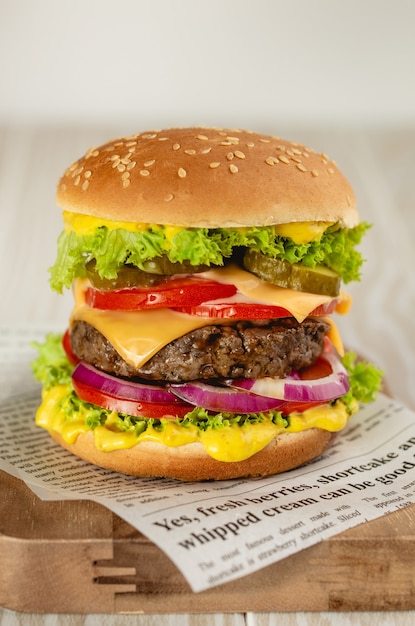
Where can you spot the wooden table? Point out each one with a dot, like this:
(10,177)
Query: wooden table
(379,163)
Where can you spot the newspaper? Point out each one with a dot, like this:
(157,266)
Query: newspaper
(227,528)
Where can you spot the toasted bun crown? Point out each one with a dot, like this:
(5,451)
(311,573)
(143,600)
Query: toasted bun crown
(206,177)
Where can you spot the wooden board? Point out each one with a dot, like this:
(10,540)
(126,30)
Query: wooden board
(78,557)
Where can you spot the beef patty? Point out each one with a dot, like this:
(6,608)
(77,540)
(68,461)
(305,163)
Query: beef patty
(242,349)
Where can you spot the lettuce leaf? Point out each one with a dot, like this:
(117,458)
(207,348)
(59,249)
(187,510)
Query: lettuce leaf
(365,379)
(111,249)
(51,367)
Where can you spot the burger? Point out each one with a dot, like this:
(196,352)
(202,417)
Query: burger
(206,265)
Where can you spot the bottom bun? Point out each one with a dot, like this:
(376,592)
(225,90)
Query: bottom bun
(191,462)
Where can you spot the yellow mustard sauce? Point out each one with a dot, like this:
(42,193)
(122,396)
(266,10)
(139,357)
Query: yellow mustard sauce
(230,443)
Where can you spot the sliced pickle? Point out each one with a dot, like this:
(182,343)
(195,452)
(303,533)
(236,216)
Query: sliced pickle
(128,276)
(319,280)
(155,271)
(163,265)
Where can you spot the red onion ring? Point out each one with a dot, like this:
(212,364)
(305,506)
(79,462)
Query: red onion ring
(218,399)
(293,389)
(119,388)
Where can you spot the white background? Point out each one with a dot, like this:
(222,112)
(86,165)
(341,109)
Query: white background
(250,63)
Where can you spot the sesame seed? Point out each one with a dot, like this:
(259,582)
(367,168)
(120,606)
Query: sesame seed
(125,160)
(149,163)
(191,152)
(301,167)
(226,143)
(76,181)
(205,151)
(330,170)
(284,159)
(130,143)
(314,172)
(163,138)
(145,172)
(265,140)
(233,168)
(121,167)
(88,174)
(63,187)
(239,154)
(229,156)
(295,159)
(149,135)
(125,176)
(131,165)
(214,165)
(126,182)
(271,160)
(203,137)
(176,146)
(233,139)
(85,185)
(77,171)
(250,144)
(169,197)
(182,172)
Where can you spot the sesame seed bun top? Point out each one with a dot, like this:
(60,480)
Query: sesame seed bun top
(207,177)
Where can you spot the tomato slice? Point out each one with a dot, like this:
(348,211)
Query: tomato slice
(66,343)
(135,408)
(297,407)
(247,310)
(175,292)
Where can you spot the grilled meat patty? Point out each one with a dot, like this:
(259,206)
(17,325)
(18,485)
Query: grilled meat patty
(243,349)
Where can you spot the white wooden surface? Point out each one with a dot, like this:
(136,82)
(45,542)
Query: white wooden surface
(380,165)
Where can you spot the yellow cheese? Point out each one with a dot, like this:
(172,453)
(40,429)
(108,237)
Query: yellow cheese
(334,335)
(230,443)
(136,335)
(298,303)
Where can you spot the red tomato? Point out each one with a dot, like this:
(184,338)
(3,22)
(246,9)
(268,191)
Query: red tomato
(148,410)
(247,311)
(299,407)
(66,343)
(180,292)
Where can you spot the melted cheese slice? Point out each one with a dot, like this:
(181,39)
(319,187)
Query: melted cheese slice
(138,335)
(230,444)
(298,303)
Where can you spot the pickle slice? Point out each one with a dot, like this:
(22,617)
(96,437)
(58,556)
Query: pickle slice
(128,276)
(163,265)
(154,272)
(319,280)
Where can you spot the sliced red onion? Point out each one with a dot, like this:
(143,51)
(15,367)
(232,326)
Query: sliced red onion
(120,388)
(214,398)
(293,389)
